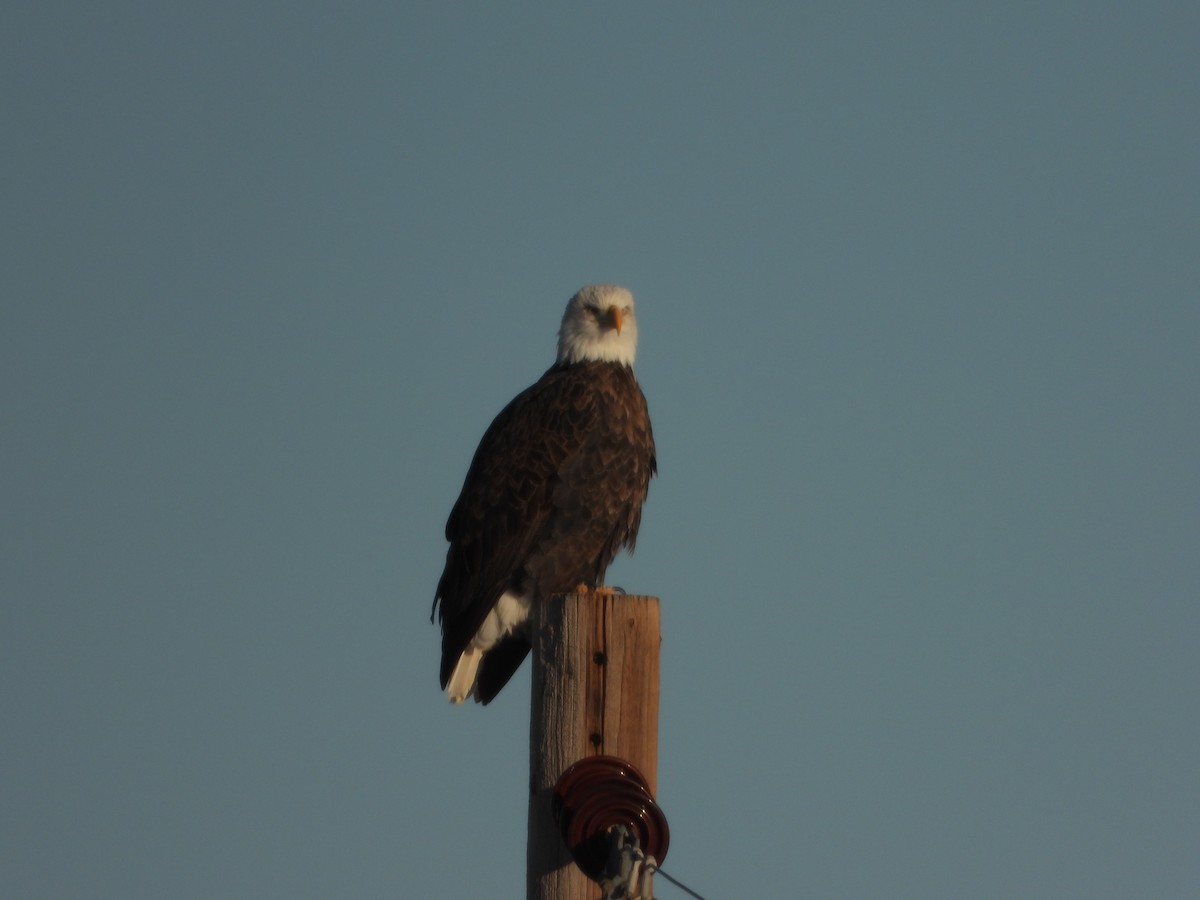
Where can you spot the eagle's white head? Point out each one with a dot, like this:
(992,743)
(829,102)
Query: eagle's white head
(599,326)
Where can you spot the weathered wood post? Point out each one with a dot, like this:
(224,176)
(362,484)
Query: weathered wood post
(595,691)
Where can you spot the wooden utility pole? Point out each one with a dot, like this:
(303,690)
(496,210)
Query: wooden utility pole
(595,691)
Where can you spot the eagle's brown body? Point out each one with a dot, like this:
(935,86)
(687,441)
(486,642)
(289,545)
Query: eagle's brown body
(553,493)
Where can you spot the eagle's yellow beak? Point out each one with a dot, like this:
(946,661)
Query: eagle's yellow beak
(615,315)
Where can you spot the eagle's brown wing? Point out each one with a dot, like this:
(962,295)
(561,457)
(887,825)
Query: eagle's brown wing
(505,502)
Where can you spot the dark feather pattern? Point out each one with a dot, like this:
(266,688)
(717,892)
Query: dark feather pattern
(555,490)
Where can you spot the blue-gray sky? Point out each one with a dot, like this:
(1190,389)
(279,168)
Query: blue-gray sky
(919,297)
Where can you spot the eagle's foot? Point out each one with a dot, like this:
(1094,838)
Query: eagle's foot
(584,588)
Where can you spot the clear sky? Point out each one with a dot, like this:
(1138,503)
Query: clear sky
(919,297)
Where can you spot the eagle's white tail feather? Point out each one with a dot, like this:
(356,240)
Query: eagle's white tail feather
(462,680)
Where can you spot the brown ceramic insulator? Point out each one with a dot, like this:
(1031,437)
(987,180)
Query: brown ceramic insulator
(600,792)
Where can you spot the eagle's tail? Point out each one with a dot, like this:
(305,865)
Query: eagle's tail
(462,679)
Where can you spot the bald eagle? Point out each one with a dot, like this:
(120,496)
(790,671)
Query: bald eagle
(555,490)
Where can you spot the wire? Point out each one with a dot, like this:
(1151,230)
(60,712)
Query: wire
(655,870)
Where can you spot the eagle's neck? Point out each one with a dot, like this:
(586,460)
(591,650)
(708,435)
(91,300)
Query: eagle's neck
(611,347)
